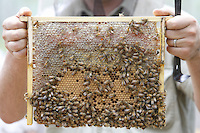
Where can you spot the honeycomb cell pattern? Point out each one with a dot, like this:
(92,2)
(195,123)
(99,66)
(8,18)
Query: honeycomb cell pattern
(98,74)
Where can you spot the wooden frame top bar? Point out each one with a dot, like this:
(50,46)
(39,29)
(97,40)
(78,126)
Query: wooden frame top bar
(89,19)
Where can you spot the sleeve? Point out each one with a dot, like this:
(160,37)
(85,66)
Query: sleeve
(186,87)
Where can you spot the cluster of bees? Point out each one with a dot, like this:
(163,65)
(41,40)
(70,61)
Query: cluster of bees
(114,84)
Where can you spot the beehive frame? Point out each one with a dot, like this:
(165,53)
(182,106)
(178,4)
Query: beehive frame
(137,23)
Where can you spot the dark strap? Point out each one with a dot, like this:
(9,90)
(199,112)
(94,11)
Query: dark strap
(177,63)
(177,7)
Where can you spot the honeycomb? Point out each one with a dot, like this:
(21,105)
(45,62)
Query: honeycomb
(97,71)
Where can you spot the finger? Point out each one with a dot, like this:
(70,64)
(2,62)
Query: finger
(13,23)
(14,35)
(175,34)
(189,31)
(166,11)
(16,46)
(24,11)
(20,54)
(179,43)
(180,22)
(181,52)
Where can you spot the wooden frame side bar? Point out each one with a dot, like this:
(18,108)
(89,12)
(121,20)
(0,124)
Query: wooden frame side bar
(162,42)
(29,71)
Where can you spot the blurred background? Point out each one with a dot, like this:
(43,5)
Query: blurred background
(11,7)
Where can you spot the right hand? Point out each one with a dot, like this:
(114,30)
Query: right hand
(15,33)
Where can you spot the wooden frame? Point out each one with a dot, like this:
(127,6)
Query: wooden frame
(30,21)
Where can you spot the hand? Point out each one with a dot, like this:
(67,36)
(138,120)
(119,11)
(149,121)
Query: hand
(185,30)
(15,33)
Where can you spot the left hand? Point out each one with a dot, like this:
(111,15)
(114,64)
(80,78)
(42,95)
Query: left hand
(184,29)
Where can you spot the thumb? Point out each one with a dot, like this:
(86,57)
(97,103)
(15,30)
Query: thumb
(165,11)
(24,11)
